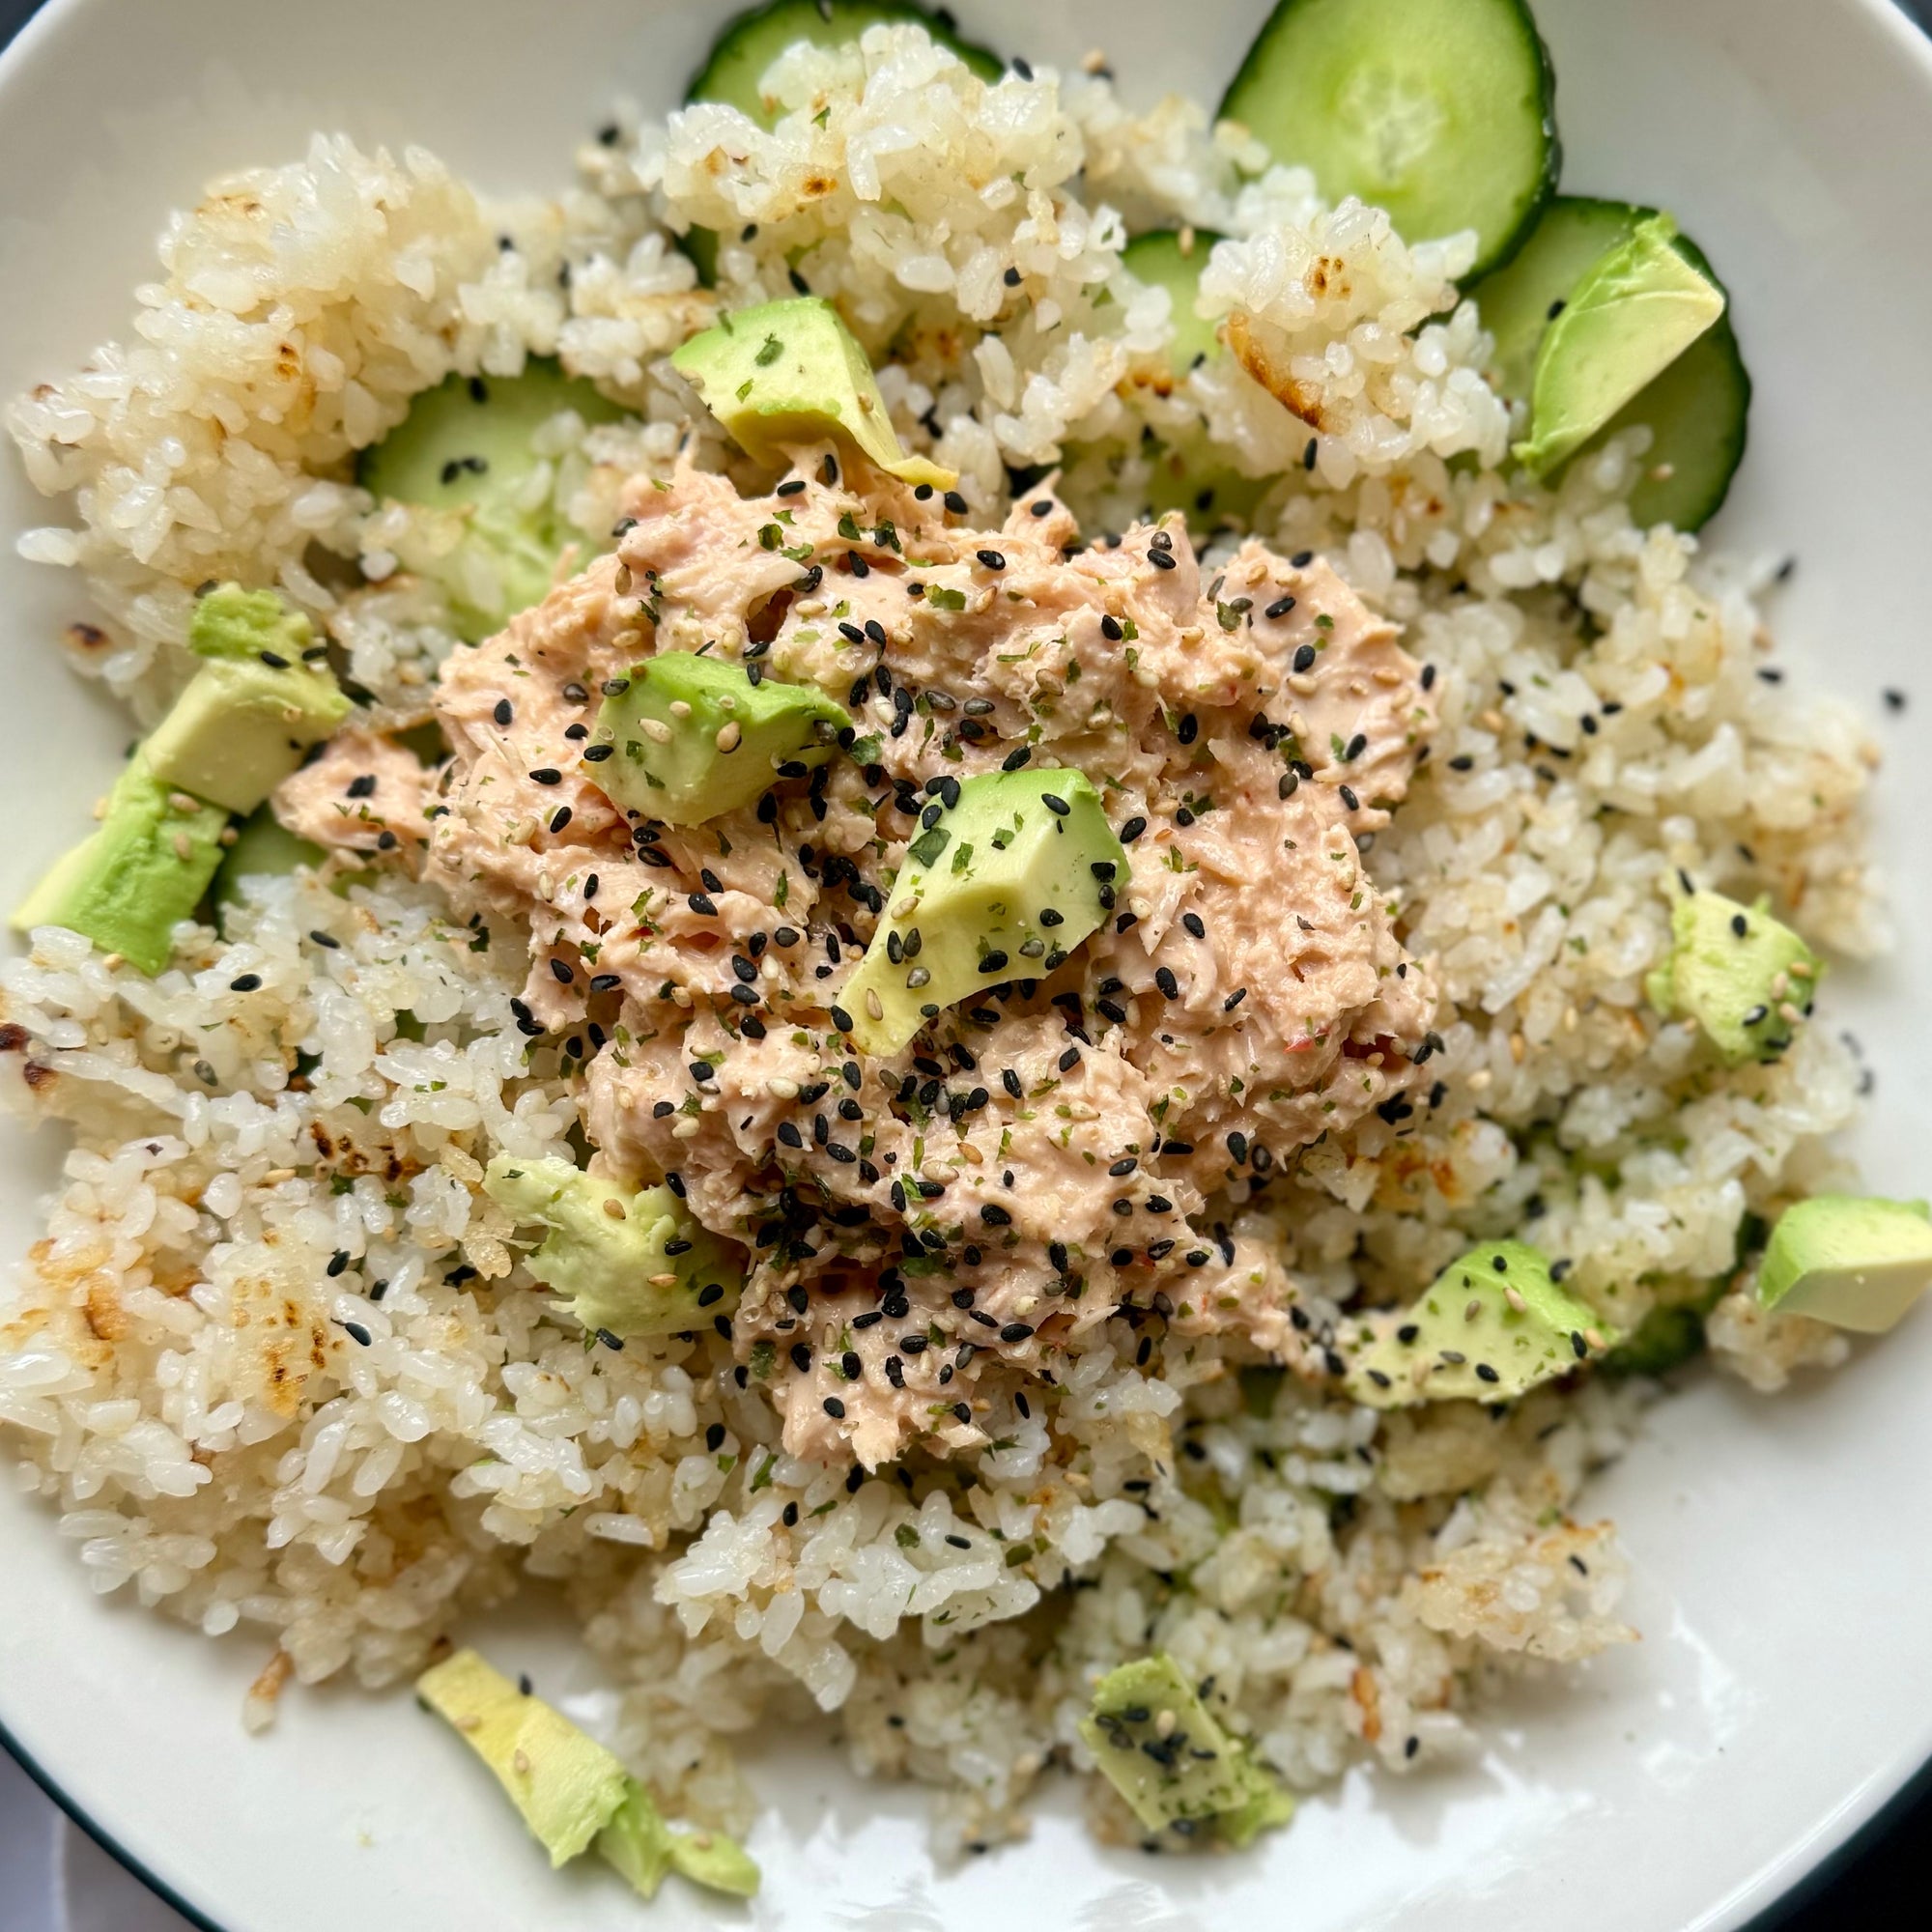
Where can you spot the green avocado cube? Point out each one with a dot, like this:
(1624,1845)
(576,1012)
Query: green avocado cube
(254,708)
(1158,1745)
(642,1846)
(694,737)
(629,1263)
(239,729)
(133,879)
(1003,884)
(1632,316)
(786,373)
(565,1784)
(1855,1260)
(1745,978)
(230,622)
(1489,1327)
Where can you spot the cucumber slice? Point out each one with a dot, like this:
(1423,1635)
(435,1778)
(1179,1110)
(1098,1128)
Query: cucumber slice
(742,54)
(465,447)
(1164,259)
(1697,409)
(1189,475)
(748,44)
(1441,111)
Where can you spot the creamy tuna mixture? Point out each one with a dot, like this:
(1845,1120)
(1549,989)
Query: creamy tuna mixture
(933,1228)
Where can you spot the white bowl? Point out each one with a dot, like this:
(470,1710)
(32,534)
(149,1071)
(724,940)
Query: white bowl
(1784,1688)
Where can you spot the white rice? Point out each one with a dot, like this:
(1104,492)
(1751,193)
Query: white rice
(257,1182)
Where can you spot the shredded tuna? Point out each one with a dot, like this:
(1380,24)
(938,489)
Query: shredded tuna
(1249,994)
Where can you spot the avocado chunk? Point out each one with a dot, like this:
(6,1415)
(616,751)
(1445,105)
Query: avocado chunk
(565,1784)
(1632,316)
(467,450)
(1855,1260)
(1489,1327)
(642,1846)
(1159,1747)
(790,372)
(253,708)
(630,1263)
(138,875)
(569,1788)
(1002,885)
(696,738)
(1746,979)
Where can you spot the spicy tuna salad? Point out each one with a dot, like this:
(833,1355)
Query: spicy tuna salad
(968,893)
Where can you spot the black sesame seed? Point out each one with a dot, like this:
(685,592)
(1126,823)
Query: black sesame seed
(246,983)
(1349,798)
(954,502)
(545,775)
(503,713)
(1161,559)
(834,1409)
(1280,608)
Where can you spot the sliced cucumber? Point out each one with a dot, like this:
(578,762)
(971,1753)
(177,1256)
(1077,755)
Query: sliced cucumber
(750,44)
(1697,409)
(742,54)
(1166,259)
(1440,111)
(1190,474)
(466,447)
(1518,302)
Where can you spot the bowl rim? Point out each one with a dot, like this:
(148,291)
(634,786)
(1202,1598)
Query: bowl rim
(1882,1810)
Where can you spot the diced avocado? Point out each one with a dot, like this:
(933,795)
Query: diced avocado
(253,708)
(263,847)
(1159,1747)
(138,875)
(645,1848)
(230,622)
(1746,979)
(790,372)
(565,1784)
(711,1859)
(466,448)
(1003,885)
(1632,316)
(637,1841)
(569,1788)
(1855,1260)
(694,737)
(1489,1327)
(631,1263)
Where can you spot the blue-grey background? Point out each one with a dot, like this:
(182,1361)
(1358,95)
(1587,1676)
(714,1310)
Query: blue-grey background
(51,1881)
